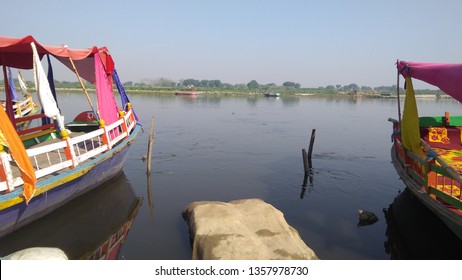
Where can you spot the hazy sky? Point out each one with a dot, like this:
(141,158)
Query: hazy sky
(314,43)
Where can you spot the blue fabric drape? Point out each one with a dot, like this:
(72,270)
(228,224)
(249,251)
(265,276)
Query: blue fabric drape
(51,82)
(14,95)
(123,94)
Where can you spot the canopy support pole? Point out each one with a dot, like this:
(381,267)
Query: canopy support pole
(84,89)
(397,93)
(8,101)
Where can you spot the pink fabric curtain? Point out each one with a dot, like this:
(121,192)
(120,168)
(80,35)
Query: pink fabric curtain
(107,106)
(448,77)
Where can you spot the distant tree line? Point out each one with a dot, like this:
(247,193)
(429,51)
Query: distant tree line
(253,85)
(353,87)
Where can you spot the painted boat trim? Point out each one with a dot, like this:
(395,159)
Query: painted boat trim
(451,219)
(51,191)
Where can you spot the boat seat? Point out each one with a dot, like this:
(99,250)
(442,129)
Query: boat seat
(444,137)
(38,137)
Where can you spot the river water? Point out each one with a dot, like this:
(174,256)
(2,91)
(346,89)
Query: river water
(227,148)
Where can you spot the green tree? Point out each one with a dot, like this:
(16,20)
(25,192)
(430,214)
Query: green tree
(215,83)
(253,84)
(351,87)
(191,82)
(291,85)
(204,83)
(163,82)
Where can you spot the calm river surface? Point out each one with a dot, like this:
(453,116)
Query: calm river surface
(227,148)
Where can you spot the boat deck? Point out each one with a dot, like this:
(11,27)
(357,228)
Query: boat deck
(454,159)
(445,140)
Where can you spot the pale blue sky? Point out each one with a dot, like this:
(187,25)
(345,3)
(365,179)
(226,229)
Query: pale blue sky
(314,43)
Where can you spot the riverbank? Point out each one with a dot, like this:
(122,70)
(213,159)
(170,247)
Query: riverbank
(304,92)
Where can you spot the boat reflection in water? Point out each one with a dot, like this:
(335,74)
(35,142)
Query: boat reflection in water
(414,232)
(93,226)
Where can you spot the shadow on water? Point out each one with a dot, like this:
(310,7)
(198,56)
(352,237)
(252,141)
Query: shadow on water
(308,177)
(93,226)
(414,232)
(149,191)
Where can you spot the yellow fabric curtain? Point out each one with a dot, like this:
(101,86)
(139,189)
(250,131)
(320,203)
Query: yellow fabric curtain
(410,132)
(10,139)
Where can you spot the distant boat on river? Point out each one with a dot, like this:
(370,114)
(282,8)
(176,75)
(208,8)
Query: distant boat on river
(188,91)
(272,94)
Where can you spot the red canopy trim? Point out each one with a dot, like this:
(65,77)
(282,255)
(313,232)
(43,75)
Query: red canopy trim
(17,53)
(446,76)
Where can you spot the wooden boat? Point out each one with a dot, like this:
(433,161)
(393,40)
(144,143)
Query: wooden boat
(427,151)
(272,94)
(92,234)
(189,91)
(44,167)
(23,108)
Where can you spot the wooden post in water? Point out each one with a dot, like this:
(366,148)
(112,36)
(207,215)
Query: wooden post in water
(307,165)
(310,149)
(305,161)
(148,173)
(305,183)
(150,147)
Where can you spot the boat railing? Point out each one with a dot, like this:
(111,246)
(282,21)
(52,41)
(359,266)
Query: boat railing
(23,107)
(87,146)
(26,133)
(432,172)
(67,152)
(130,120)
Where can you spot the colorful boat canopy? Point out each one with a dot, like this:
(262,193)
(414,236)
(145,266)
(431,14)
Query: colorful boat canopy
(17,53)
(446,76)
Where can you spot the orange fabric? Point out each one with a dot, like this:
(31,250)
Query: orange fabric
(438,135)
(18,152)
(2,173)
